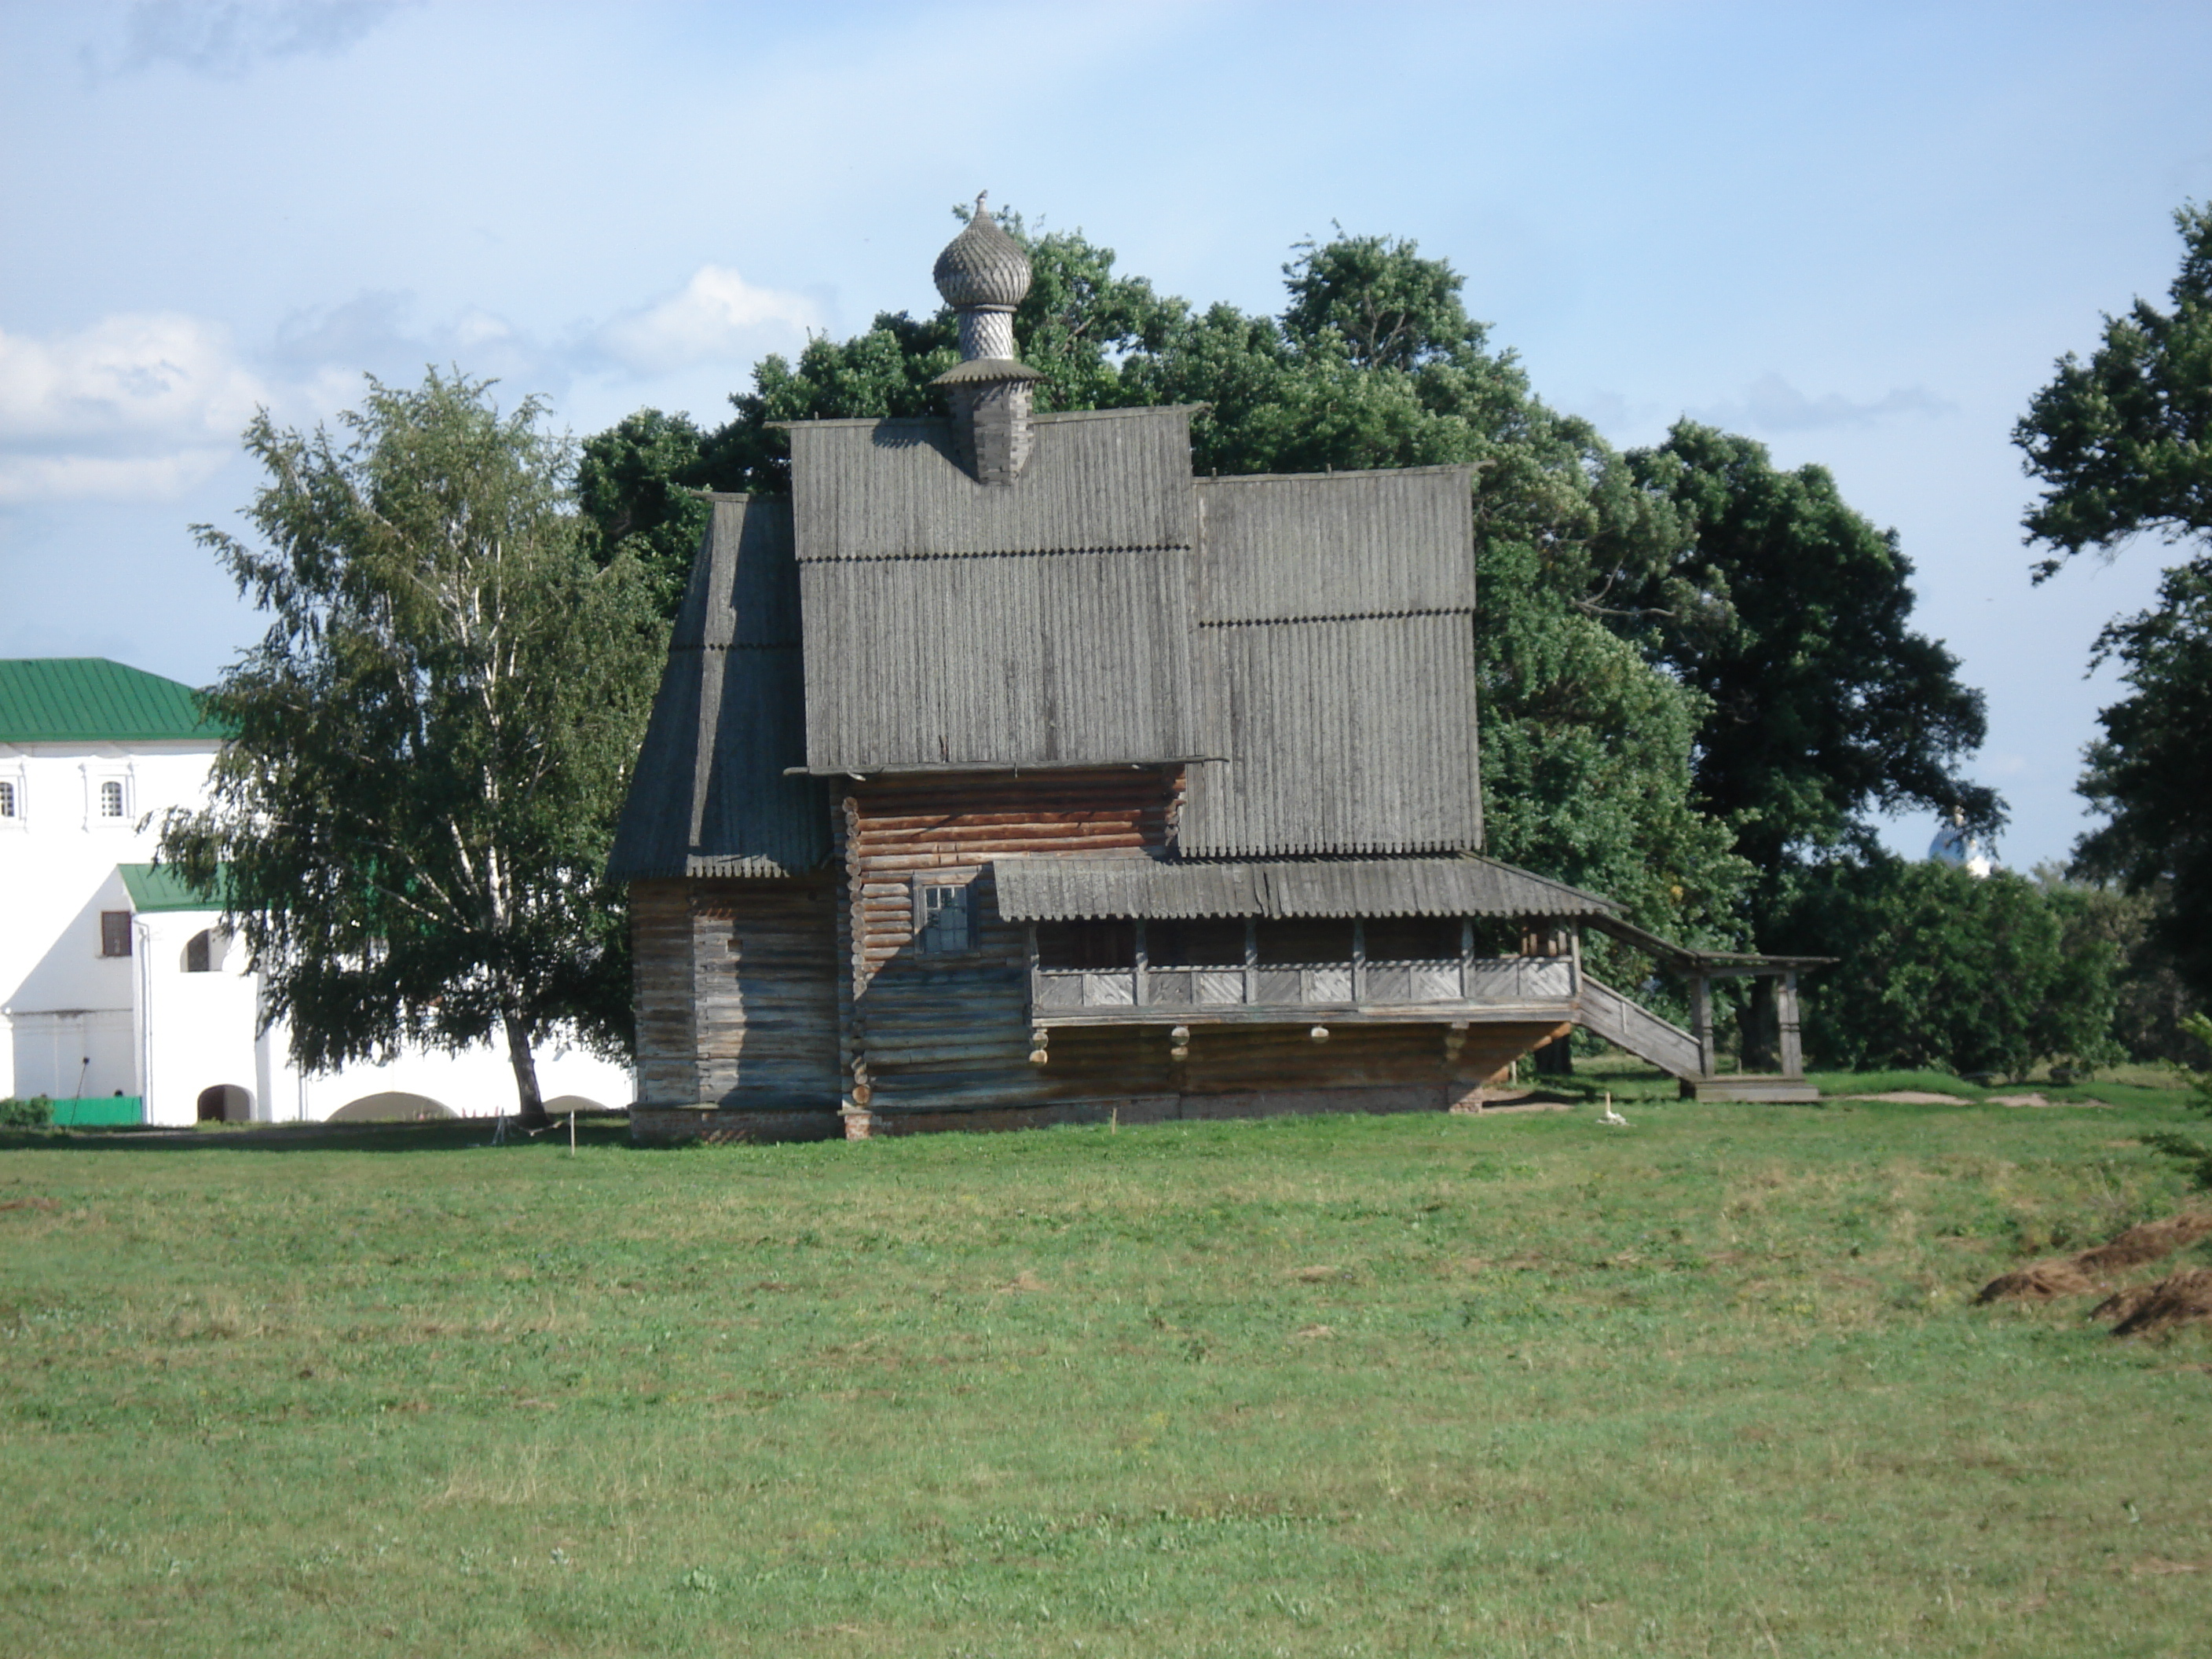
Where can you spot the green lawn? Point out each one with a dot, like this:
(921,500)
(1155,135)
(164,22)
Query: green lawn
(1708,1384)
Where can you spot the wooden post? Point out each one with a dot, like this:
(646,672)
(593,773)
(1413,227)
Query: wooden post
(1358,960)
(1701,1023)
(1251,961)
(1466,957)
(1785,1006)
(1141,992)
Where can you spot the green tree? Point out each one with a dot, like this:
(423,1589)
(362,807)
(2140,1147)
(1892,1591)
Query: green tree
(432,738)
(635,486)
(2120,442)
(1951,972)
(2150,773)
(2123,445)
(1791,613)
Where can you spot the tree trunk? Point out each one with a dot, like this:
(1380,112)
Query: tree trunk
(530,1112)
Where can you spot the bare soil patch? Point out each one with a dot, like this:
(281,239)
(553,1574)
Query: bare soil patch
(2182,1298)
(2045,1281)
(2087,1270)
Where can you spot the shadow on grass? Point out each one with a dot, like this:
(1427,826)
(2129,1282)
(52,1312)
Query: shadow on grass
(445,1135)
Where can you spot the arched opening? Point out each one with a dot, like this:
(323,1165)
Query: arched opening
(226,1102)
(391,1106)
(203,950)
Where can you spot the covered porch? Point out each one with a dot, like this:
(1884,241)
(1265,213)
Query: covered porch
(1457,943)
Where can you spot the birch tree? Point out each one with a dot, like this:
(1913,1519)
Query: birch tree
(432,738)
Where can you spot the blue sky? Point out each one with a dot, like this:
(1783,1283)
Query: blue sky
(1860,234)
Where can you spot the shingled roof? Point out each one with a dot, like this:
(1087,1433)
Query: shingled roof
(1336,621)
(1304,644)
(952,624)
(1071,889)
(709,796)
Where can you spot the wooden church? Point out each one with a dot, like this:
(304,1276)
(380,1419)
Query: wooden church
(1008,775)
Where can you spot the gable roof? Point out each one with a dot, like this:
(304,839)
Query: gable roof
(709,796)
(954,624)
(1336,626)
(92,700)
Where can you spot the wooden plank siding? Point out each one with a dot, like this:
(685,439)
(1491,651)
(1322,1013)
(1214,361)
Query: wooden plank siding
(737,1003)
(944,1040)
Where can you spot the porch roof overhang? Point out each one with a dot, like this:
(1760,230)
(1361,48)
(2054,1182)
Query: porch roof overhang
(1045,888)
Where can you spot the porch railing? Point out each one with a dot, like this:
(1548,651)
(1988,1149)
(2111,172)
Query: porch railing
(1443,984)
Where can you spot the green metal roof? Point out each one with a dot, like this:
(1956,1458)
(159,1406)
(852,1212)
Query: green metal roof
(163,887)
(92,700)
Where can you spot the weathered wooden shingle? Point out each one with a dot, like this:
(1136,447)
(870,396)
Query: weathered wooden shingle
(1049,888)
(1336,647)
(709,796)
(1337,545)
(892,489)
(953,624)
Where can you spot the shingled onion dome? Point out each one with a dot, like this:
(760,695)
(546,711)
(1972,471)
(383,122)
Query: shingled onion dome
(983,274)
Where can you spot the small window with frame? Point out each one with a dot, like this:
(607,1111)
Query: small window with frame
(115,933)
(11,800)
(111,798)
(944,917)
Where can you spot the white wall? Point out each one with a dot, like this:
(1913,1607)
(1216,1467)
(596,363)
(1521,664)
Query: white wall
(58,858)
(74,1021)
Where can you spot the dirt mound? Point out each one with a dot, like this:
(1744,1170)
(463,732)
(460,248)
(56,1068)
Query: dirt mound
(2121,1305)
(2043,1282)
(2150,1241)
(2079,1274)
(2179,1299)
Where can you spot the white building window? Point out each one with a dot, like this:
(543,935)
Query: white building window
(111,798)
(115,933)
(11,800)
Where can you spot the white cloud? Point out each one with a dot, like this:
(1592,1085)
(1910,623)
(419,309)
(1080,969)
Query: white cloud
(1770,403)
(136,403)
(717,316)
(157,374)
(225,41)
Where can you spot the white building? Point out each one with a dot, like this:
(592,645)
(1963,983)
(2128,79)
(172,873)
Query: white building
(119,994)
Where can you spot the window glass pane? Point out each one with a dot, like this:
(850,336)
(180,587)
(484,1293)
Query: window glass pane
(110,799)
(115,933)
(7,800)
(196,954)
(945,921)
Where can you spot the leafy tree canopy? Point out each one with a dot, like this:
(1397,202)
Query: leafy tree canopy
(2150,773)
(2123,445)
(1790,613)
(1950,972)
(2120,442)
(432,738)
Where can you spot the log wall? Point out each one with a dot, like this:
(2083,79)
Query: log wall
(944,1040)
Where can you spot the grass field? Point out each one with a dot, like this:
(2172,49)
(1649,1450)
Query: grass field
(1514,1384)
